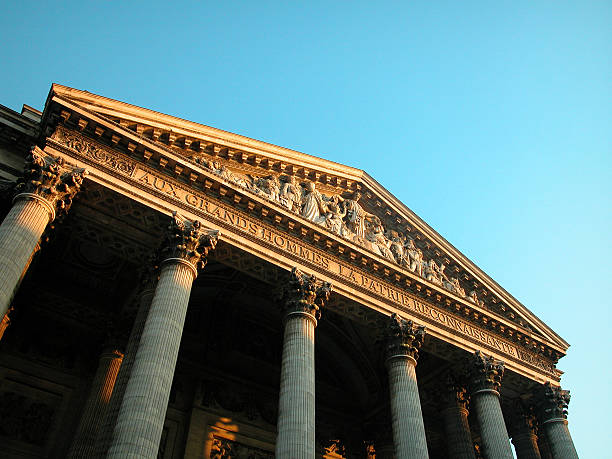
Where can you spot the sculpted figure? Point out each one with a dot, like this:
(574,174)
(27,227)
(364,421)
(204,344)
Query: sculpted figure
(314,204)
(267,186)
(415,257)
(357,216)
(376,235)
(291,195)
(457,286)
(433,272)
(398,249)
(221,171)
(333,218)
(474,298)
(453,285)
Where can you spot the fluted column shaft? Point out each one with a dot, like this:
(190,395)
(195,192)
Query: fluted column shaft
(302,302)
(406,417)
(101,389)
(47,187)
(20,234)
(553,420)
(559,439)
(296,410)
(403,341)
(105,434)
(495,440)
(384,451)
(544,448)
(526,446)
(457,430)
(143,409)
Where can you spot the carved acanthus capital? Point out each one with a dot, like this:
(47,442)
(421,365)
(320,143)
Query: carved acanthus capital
(404,337)
(49,178)
(188,241)
(523,420)
(553,403)
(301,294)
(487,373)
(454,393)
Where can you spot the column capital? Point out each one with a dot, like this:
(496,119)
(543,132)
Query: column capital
(187,242)
(49,180)
(486,373)
(553,403)
(453,393)
(300,294)
(522,419)
(404,338)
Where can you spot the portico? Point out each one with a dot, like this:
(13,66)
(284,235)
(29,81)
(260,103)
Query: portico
(269,302)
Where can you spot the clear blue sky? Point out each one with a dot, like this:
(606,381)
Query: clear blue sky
(491,120)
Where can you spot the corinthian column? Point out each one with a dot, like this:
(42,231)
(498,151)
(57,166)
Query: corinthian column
(553,418)
(46,188)
(487,374)
(143,303)
(302,302)
(97,403)
(454,407)
(524,432)
(143,409)
(404,339)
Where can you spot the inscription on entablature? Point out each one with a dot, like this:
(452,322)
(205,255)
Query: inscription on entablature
(294,247)
(97,153)
(289,245)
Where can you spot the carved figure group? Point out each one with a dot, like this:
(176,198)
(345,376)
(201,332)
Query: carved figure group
(345,217)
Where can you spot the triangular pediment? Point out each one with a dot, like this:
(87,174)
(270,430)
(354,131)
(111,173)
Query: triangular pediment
(317,190)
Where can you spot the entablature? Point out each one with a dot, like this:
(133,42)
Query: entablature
(236,178)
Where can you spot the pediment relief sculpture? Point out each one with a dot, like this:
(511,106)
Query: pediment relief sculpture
(346,217)
(332,203)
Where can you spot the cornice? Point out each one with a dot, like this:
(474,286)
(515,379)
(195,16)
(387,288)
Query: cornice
(181,127)
(151,152)
(468,265)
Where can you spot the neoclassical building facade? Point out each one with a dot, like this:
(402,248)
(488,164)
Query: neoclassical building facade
(172,290)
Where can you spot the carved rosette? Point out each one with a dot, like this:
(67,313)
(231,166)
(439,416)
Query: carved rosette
(553,403)
(49,178)
(188,242)
(487,373)
(404,337)
(301,294)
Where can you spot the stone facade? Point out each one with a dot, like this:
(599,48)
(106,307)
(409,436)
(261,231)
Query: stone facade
(172,290)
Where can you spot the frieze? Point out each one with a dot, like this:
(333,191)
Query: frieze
(343,216)
(298,250)
(98,153)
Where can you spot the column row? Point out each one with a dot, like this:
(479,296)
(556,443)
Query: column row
(133,416)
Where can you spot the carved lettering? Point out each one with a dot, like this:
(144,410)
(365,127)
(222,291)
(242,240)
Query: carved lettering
(296,248)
